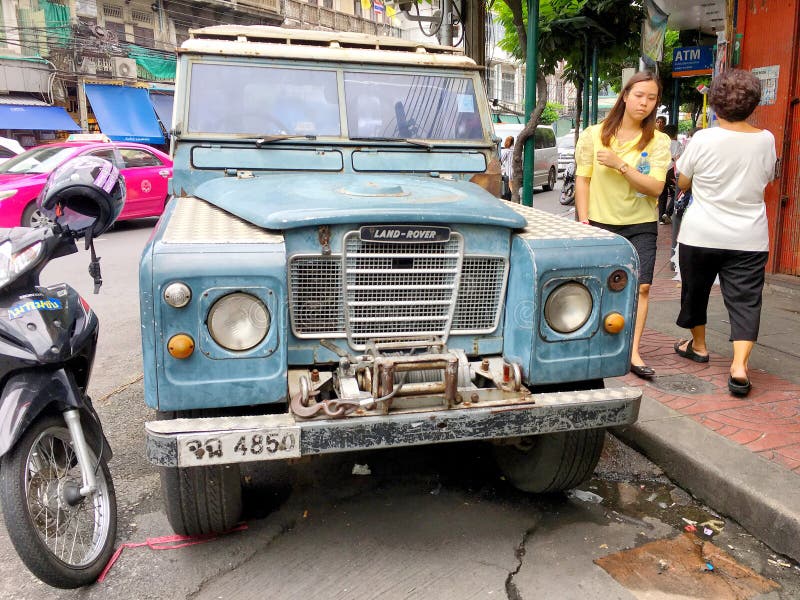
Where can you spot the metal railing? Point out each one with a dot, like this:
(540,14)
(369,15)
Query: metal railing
(301,14)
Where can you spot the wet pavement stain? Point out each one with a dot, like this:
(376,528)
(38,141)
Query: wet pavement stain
(684,567)
(683,384)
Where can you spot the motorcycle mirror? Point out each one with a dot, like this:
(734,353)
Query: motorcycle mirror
(85,195)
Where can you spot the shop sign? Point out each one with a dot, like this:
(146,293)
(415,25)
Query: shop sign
(689,61)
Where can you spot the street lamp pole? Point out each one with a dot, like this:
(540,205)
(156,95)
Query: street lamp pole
(531,69)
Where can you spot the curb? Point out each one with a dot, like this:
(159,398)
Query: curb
(729,478)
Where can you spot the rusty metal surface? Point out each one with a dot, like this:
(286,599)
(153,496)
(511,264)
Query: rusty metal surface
(684,567)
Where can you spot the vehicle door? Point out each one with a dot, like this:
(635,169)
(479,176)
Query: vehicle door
(539,163)
(146,177)
(110,154)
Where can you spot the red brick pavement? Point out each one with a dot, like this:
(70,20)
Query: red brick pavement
(767,421)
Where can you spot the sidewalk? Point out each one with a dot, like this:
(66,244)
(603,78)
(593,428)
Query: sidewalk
(741,456)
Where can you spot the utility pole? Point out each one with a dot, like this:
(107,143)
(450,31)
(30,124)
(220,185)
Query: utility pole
(446,30)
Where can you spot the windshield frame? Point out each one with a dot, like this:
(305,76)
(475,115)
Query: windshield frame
(183,101)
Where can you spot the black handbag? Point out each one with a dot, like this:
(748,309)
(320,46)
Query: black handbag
(682,201)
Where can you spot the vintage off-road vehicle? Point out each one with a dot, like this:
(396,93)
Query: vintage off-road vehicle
(330,275)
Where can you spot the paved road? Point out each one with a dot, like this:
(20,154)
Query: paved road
(436,522)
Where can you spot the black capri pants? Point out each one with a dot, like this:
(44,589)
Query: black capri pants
(741,278)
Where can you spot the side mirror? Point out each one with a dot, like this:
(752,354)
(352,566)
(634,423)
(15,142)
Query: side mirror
(84,195)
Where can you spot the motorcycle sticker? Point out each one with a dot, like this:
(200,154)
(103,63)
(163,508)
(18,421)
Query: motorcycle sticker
(21,308)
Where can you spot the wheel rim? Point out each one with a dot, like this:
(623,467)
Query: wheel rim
(74,535)
(38,219)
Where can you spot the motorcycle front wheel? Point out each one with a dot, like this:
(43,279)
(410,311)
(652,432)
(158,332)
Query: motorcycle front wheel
(65,539)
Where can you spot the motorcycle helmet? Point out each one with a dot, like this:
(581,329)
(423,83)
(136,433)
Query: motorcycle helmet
(85,194)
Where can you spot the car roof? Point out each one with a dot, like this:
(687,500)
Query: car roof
(112,144)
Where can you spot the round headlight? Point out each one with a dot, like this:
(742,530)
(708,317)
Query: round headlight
(568,307)
(238,321)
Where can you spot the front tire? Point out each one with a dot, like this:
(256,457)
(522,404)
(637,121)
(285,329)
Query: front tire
(552,462)
(551,180)
(202,500)
(64,545)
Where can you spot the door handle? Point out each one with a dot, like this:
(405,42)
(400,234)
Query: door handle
(164,173)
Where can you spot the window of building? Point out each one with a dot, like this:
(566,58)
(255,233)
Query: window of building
(507,92)
(357,8)
(490,83)
(143,36)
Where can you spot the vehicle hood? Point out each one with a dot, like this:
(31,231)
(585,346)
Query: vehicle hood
(301,200)
(25,184)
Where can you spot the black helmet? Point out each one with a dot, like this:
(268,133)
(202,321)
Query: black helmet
(84,193)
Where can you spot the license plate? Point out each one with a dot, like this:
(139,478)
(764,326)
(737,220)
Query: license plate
(238,446)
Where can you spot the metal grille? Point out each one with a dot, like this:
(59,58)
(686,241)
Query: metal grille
(483,282)
(395,292)
(400,290)
(315,288)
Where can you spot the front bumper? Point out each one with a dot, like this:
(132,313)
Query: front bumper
(226,440)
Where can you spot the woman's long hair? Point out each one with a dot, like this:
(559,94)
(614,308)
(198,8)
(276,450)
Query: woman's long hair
(614,119)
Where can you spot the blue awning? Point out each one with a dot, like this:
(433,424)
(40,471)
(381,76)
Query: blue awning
(124,113)
(47,118)
(163,105)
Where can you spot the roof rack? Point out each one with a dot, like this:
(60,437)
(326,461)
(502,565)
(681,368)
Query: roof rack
(309,37)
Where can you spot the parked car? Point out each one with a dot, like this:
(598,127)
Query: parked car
(566,152)
(146,171)
(545,153)
(337,275)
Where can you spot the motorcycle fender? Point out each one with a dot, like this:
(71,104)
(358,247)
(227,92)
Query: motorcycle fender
(27,394)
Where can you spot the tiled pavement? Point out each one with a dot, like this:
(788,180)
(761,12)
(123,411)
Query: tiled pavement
(767,421)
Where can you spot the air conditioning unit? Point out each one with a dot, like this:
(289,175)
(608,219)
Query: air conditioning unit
(124,68)
(88,66)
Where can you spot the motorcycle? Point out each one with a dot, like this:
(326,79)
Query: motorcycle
(57,496)
(568,187)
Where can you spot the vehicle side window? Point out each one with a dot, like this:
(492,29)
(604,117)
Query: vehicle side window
(538,139)
(135,157)
(549,138)
(106,153)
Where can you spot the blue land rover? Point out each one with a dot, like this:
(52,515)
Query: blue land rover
(334,272)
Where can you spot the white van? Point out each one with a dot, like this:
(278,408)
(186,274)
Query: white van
(545,155)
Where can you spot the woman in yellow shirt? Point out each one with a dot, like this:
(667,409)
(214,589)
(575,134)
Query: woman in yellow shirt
(612,194)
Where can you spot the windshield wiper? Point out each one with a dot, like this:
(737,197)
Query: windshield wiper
(412,141)
(268,139)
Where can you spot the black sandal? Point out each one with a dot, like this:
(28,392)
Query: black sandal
(689,352)
(737,387)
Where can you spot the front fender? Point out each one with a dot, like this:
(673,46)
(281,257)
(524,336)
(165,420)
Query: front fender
(26,394)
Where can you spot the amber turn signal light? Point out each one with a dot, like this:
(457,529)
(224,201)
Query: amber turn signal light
(180,346)
(614,323)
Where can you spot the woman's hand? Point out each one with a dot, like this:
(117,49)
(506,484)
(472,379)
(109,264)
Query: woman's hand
(607,158)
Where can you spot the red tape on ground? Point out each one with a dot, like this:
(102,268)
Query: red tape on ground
(167,542)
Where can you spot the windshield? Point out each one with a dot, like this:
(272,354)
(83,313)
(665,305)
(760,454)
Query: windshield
(263,101)
(411,106)
(38,160)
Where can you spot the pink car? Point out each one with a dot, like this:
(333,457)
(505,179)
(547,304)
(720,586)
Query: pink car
(146,171)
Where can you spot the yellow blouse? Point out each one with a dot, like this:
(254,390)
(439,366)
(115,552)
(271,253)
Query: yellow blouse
(612,200)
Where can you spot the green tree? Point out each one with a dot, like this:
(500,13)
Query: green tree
(551,113)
